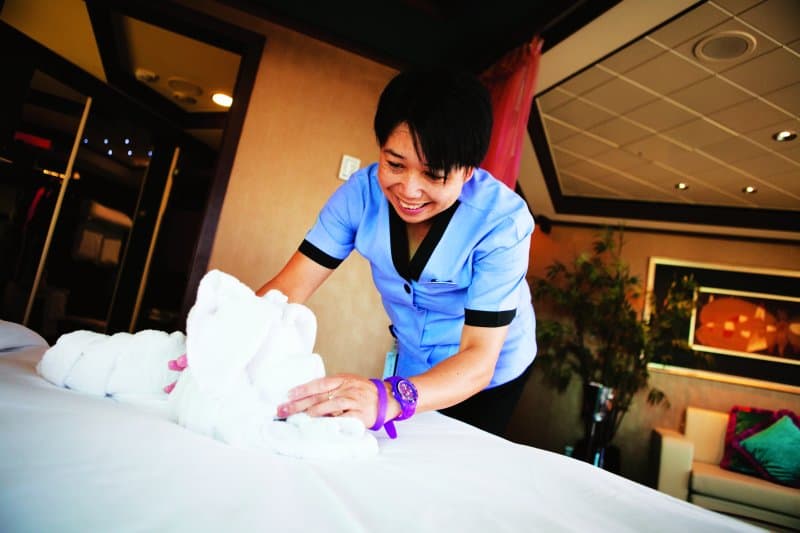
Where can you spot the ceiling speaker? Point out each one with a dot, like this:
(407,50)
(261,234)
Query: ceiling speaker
(725,46)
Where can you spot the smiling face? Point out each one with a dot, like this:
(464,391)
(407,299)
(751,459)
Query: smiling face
(416,192)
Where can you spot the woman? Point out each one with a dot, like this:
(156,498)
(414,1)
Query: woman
(448,246)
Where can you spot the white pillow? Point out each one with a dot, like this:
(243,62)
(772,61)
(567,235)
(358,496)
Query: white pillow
(15,336)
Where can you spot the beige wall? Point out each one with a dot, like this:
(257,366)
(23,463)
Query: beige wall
(548,420)
(311,103)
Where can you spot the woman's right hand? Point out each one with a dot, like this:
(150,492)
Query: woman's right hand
(339,395)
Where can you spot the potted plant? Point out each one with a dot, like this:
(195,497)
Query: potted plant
(594,332)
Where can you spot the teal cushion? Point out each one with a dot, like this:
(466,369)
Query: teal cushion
(775,451)
(743,422)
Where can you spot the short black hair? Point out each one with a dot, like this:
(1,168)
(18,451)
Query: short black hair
(449,115)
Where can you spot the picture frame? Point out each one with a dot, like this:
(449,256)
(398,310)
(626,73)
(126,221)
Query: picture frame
(732,308)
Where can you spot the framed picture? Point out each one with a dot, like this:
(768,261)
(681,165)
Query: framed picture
(744,327)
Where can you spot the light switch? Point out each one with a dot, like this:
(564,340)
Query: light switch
(349,165)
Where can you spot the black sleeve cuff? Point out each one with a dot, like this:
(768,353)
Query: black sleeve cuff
(318,256)
(489,319)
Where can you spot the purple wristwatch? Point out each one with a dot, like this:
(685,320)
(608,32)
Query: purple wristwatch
(406,395)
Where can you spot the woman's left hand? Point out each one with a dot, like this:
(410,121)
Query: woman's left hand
(339,395)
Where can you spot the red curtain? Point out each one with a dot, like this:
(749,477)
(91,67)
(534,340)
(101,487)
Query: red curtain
(511,83)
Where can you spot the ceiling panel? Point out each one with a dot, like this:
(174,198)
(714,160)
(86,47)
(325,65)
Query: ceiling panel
(589,79)
(693,23)
(667,73)
(751,115)
(699,132)
(737,6)
(556,131)
(709,95)
(767,165)
(767,73)
(787,98)
(632,56)
(584,145)
(660,115)
(619,159)
(619,96)
(789,181)
(629,185)
(734,149)
(778,18)
(580,114)
(572,183)
(553,99)
(619,131)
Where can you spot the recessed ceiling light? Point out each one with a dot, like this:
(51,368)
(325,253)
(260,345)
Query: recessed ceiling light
(681,186)
(222,99)
(785,135)
(749,190)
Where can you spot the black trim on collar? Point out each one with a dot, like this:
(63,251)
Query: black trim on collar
(488,319)
(412,269)
(318,256)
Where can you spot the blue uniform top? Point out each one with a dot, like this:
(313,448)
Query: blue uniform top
(469,269)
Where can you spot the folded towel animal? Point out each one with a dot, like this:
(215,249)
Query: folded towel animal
(244,353)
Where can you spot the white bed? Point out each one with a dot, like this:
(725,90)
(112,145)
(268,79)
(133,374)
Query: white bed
(73,462)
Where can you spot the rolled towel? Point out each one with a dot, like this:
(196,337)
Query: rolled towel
(142,368)
(58,361)
(93,369)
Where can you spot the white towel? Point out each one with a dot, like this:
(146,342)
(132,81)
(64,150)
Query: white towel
(131,368)
(142,364)
(58,361)
(244,354)
(320,438)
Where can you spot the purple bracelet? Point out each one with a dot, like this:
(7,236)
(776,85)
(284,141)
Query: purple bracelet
(382,402)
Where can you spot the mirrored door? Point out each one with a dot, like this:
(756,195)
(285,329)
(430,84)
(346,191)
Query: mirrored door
(38,132)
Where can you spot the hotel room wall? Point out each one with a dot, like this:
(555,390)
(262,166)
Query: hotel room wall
(311,103)
(549,420)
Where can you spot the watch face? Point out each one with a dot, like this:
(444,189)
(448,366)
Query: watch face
(407,391)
